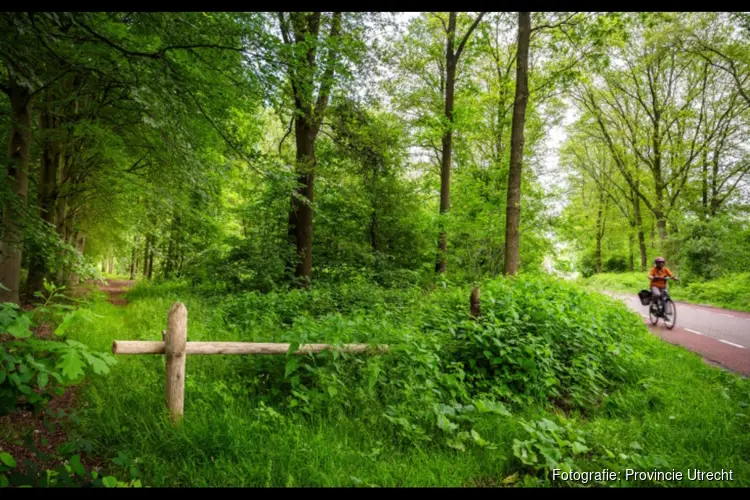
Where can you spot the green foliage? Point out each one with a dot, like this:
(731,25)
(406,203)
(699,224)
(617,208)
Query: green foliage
(69,474)
(711,248)
(616,264)
(540,339)
(339,419)
(550,446)
(29,367)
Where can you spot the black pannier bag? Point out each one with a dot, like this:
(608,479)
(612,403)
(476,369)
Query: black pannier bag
(645,297)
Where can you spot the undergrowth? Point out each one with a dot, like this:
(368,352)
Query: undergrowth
(549,377)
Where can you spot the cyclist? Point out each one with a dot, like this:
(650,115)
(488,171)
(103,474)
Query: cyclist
(658,277)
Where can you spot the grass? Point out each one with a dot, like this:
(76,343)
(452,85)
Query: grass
(676,412)
(728,292)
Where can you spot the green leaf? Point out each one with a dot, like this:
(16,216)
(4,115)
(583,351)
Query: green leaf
(445,424)
(291,366)
(332,391)
(7,459)
(20,327)
(491,407)
(64,325)
(373,378)
(293,346)
(3,481)
(511,479)
(109,481)
(71,364)
(579,447)
(42,379)
(75,462)
(99,366)
(477,438)
(456,445)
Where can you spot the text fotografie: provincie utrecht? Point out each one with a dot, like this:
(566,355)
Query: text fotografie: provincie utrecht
(633,475)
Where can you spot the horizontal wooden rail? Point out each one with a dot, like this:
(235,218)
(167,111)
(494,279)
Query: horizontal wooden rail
(155,347)
(175,348)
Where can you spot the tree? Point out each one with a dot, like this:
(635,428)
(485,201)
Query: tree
(513,206)
(452,56)
(302,33)
(19,143)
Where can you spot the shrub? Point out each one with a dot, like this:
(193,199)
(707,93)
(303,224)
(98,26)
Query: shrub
(540,338)
(616,264)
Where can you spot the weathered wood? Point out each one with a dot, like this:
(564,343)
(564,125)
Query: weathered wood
(124,347)
(474,302)
(174,351)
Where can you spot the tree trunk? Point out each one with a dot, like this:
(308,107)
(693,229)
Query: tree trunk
(151,259)
(513,207)
(639,228)
(661,225)
(445,170)
(704,185)
(46,193)
(80,245)
(145,255)
(630,249)
(110,265)
(61,213)
(599,233)
(132,264)
(19,147)
(653,235)
(301,212)
(714,203)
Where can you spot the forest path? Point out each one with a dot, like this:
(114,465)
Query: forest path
(115,289)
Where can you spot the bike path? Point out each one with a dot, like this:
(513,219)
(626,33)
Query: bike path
(719,335)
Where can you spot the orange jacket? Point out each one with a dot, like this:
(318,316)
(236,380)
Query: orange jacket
(660,274)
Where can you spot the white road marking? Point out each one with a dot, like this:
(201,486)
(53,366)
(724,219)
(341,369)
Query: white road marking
(731,343)
(693,331)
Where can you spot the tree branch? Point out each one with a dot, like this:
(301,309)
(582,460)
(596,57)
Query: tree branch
(468,34)
(327,80)
(556,25)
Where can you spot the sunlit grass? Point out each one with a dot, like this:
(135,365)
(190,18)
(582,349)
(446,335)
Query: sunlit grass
(678,413)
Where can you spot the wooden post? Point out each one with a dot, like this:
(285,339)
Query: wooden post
(474,302)
(175,343)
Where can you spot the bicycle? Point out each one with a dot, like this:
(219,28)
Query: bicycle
(656,308)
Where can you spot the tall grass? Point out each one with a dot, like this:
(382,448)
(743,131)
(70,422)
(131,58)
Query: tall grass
(264,421)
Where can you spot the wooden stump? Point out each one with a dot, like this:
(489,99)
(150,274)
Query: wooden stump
(175,343)
(474,302)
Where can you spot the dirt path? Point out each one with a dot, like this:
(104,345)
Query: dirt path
(33,440)
(116,289)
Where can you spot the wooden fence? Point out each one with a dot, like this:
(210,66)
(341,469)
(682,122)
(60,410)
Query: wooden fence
(175,347)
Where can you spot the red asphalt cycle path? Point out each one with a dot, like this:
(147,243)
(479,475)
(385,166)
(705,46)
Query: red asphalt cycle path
(721,336)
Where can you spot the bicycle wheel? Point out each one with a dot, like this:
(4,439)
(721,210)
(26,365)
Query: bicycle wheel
(653,314)
(670,315)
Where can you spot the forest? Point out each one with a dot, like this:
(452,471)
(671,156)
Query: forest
(470,188)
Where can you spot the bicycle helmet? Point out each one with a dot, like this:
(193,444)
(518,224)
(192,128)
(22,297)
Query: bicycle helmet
(658,260)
